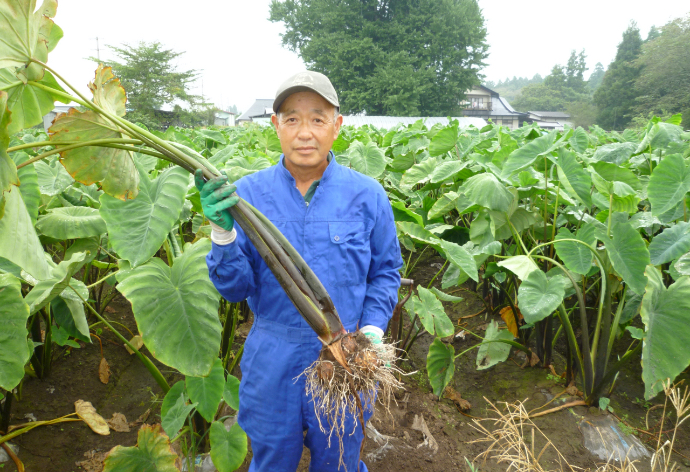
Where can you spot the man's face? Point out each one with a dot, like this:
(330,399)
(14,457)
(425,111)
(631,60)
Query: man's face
(306,128)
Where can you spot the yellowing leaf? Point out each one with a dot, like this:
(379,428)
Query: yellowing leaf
(510,319)
(107,91)
(88,414)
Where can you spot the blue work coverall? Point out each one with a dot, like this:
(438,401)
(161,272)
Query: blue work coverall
(347,236)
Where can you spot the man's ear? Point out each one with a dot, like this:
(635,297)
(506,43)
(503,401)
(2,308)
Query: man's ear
(338,124)
(274,120)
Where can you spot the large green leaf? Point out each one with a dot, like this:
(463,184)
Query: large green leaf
(618,180)
(616,153)
(579,140)
(440,366)
(28,185)
(627,251)
(524,156)
(672,243)
(576,181)
(176,309)
(682,265)
(492,350)
(73,322)
(666,315)
(431,313)
(152,453)
(447,170)
(27,33)
(175,409)
(539,296)
(417,232)
(138,227)
(418,173)
(402,213)
(369,159)
(53,179)
(459,256)
(575,256)
(443,141)
(207,391)
(19,242)
(14,348)
(668,184)
(71,223)
(231,392)
(46,290)
(27,103)
(228,448)
(8,169)
(521,266)
(487,191)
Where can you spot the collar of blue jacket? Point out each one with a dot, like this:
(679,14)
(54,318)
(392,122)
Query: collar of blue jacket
(283,171)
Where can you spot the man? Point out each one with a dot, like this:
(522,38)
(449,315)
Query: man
(341,223)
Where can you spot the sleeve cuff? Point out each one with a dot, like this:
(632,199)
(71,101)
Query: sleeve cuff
(221,236)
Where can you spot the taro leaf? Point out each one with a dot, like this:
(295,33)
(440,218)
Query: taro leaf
(418,173)
(19,242)
(443,205)
(668,184)
(27,33)
(579,140)
(231,392)
(402,213)
(71,223)
(53,179)
(613,174)
(447,170)
(112,168)
(539,296)
(443,141)
(486,190)
(152,453)
(627,251)
(176,309)
(417,232)
(228,448)
(172,422)
(666,315)
(616,153)
(672,243)
(453,276)
(459,256)
(369,159)
(28,186)
(445,297)
(8,169)
(576,256)
(576,181)
(440,365)
(492,350)
(29,104)
(431,313)
(207,391)
(631,309)
(14,350)
(138,227)
(682,265)
(82,245)
(74,325)
(521,266)
(46,290)
(524,156)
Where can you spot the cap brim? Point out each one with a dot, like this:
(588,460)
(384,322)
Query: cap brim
(297,88)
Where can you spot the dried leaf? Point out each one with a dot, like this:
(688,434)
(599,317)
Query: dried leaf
(451,394)
(419,424)
(553,371)
(137,342)
(142,419)
(510,320)
(104,371)
(118,423)
(94,461)
(87,413)
(573,391)
(534,359)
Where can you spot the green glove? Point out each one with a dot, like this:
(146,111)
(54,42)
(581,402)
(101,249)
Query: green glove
(216,199)
(374,335)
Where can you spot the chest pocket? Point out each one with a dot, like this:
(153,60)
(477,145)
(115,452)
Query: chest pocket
(349,253)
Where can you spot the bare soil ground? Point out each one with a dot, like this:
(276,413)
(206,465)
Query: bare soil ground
(132,392)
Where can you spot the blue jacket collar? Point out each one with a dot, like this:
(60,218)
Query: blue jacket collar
(330,169)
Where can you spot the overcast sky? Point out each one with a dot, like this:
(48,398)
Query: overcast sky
(241,57)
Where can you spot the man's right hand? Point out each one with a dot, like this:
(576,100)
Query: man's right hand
(216,199)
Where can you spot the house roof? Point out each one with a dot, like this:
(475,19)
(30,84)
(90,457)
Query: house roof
(259,108)
(551,114)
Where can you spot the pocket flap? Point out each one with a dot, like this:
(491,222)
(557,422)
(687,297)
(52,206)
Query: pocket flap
(343,231)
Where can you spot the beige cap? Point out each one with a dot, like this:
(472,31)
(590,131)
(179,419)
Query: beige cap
(308,81)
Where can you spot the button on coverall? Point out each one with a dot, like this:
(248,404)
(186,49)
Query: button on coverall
(347,236)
